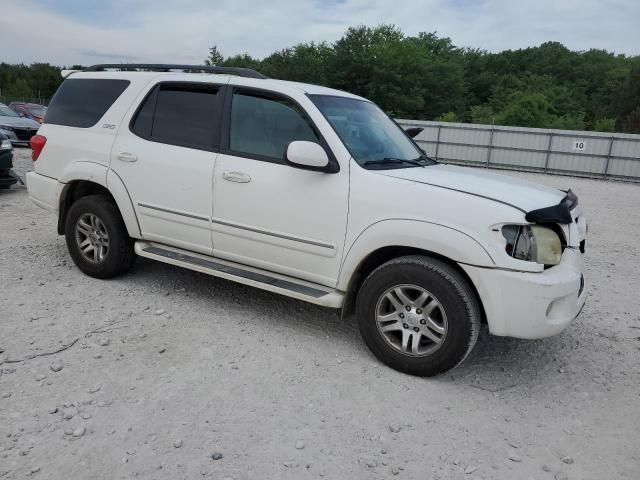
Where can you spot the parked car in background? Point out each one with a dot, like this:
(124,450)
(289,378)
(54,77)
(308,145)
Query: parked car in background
(33,111)
(23,128)
(7,178)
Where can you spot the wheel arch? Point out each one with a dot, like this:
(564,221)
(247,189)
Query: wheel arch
(375,246)
(91,179)
(386,254)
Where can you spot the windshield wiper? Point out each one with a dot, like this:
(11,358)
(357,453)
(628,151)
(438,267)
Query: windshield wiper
(418,162)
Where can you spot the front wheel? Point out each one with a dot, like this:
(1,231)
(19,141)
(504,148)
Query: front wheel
(97,238)
(418,315)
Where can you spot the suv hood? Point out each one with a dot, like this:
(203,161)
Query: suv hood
(18,122)
(521,194)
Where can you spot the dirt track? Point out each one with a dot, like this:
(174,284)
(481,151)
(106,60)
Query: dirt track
(164,367)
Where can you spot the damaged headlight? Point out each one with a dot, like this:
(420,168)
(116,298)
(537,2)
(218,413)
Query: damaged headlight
(533,243)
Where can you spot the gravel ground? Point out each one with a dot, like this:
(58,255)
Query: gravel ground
(168,373)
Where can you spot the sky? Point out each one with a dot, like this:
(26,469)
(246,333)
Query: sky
(67,32)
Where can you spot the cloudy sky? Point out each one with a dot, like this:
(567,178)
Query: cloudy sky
(66,32)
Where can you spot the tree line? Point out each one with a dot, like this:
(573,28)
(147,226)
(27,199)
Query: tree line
(427,77)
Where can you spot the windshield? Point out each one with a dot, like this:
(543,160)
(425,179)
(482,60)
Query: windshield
(368,133)
(7,112)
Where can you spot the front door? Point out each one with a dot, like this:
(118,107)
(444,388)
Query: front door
(166,156)
(268,214)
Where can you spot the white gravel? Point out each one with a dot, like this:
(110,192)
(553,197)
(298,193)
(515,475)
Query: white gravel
(247,377)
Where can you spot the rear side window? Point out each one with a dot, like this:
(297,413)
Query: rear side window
(82,102)
(180,114)
(263,126)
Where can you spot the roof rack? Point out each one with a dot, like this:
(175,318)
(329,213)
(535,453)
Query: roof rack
(161,67)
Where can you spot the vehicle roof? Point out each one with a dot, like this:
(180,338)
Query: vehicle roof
(266,83)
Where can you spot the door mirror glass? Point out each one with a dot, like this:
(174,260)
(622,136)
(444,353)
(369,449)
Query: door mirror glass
(309,155)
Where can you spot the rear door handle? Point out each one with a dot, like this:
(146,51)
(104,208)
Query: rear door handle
(127,157)
(237,177)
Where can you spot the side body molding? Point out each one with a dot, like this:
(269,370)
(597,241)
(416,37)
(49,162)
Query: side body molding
(102,175)
(436,238)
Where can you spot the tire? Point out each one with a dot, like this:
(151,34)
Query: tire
(419,343)
(116,254)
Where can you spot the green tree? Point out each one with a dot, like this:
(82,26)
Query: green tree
(526,110)
(447,117)
(605,125)
(215,57)
(243,60)
(378,63)
(631,122)
(482,114)
(305,62)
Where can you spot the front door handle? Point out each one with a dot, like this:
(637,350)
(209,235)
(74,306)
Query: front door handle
(127,157)
(237,177)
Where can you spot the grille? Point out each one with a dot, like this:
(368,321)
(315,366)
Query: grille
(25,133)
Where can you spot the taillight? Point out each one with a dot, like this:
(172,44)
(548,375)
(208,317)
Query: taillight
(37,144)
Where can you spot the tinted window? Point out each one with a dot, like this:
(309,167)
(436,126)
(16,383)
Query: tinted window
(183,115)
(264,126)
(82,102)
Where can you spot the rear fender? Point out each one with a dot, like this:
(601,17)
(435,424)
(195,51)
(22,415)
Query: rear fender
(102,175)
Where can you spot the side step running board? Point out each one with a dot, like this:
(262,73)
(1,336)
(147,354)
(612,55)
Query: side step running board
(273,282)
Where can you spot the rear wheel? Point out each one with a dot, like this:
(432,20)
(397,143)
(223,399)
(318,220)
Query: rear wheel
(418,315)
(97,238)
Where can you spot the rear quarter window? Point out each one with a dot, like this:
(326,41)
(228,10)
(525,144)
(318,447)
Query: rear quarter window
(82,102)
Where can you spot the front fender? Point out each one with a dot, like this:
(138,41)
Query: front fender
(439,239)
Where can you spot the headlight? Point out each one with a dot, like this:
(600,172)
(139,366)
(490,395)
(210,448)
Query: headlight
(533,243)
(5,145)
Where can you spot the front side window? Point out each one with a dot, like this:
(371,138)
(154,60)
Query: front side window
(369,134)
(179,114)
(263,126)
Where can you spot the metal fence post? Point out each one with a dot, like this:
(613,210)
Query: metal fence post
(546,160)
(438,141)
(489,147)
(606,165)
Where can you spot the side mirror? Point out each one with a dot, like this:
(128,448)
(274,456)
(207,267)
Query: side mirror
(307,155)
(413,132)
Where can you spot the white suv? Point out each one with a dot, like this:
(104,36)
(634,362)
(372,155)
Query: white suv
(309,192)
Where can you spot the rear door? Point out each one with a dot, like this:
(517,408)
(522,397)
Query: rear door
(165,157)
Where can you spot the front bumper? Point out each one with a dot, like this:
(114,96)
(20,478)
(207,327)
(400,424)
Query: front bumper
(532,305)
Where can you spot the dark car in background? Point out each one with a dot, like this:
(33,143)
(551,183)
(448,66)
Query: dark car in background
(33,111)
(18,129)
(7,177)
